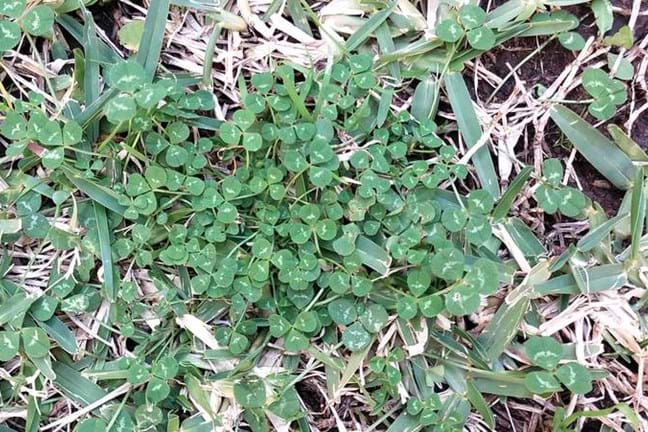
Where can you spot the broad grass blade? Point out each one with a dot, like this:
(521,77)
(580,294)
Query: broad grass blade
(100,194)
(607,158)
(106,252)
(600,278)
(75,386)
(151,44)
(471,131)
(369,27)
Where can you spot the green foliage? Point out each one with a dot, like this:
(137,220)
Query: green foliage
(314,221)
(546,353)
(554,197)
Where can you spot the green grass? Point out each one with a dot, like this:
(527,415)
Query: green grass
(351,237)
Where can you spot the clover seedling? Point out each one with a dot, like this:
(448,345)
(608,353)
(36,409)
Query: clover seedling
(553,197)
(546,353)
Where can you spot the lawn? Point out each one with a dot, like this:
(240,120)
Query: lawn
(351,216)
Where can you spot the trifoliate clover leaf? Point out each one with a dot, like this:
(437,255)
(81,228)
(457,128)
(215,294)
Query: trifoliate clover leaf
(35,225)
(137,374)
(471,16)
(360,62)
(72,133)
(44,308)
(462,300)
(255,103)
(418,281)
(91,425)
(250,393)
(166,367)
(595,81)
(478,230)
(229,133)
(340,72)
(294,161)
(149,95)
(548,198)
(571,201)
(12,8)
(127,76)
(355,337)
(483,277)
(176,156)
(263,82)
(342,311)
(252,141)
(553,172)
(454,218)
(39,20)
(238,343)
(572,41)
(481,38)
(231,188)
(575,377)
(9,344)
(53,158)
(35,342)
(120,109)
(430,305)
(244,119)
(345,244)
(13,126)
(448,264)
(602,109)
(365,80)
(449,31)
(320,177)
(306,321)
(10,35)
(157,390)
(296,341)
(177,132)
(326,229)
(480,202)
(374,318)
(541,382)
(544,351)
(406,308)
(279,326)
(622,38)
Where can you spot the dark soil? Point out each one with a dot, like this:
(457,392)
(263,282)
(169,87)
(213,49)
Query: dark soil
(542,69)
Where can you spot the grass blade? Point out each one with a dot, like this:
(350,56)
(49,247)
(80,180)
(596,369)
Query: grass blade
(106,252)
(386,44)
(296,12)
(499,333)
(513,191)
(425,99)
(60,333)
(372,255)
(596,236)
(627,144)
(607,158)
(75,386)
(369,27)
(100,194)
(91,78)
(600,278)
(151,45)
(471,131)
(637,215)
(481,405)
